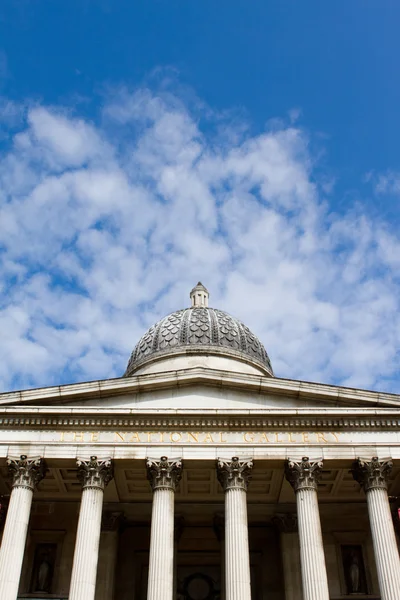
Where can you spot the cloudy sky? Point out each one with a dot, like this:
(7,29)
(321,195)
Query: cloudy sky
(253,146)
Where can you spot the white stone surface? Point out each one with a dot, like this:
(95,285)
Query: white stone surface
(209,361)
(313,569)
(310,393)
(84,570)
(161,559)
(13,541)
(385,545)
(237,558)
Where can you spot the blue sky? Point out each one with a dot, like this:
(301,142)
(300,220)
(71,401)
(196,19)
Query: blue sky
(265,133)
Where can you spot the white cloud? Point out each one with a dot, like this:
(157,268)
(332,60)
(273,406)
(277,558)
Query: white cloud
(105,227)
(388,183)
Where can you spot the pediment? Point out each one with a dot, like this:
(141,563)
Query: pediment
(202,389)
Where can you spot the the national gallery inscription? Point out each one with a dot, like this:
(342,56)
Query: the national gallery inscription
(254,438)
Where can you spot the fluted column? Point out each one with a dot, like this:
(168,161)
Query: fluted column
(286,523)
(26,473)
(372,475)
(234,476)
(303,475)
(94,474)
(164,475)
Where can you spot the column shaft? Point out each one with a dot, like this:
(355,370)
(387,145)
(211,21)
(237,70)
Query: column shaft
(94,475)
(313,568)
(237,557)
(303,476)
(161,560)
(373,475)
(26,473)
(385,546)
(164,475)
(84,570)
(13,542)
(234,476)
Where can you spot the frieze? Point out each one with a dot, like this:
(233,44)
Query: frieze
(199,437)
(248,438)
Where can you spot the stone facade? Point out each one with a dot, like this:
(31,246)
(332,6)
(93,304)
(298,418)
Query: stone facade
(205,482)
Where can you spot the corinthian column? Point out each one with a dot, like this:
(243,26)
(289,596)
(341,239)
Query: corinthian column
(25,474)
(94,474)
(234,476)
(303,476)
(163,474)
(372,475)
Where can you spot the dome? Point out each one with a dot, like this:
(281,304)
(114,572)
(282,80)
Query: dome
(197,330)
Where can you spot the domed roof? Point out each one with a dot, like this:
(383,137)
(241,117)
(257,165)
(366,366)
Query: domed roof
(199,329)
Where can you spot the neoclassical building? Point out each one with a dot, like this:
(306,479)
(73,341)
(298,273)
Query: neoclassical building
(199,475)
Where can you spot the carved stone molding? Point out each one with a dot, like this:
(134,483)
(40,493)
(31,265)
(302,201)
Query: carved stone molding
(258,423)
(286,522)
(235,473)
(95,473)
(303,474)
(26,472)
(372,474)
(164,473)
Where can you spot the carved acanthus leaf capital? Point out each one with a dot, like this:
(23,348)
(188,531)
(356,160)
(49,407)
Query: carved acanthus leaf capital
(286,522)
(164,473)
(372,474)
(235,473)
(26,472)
(94,472)
(303,474)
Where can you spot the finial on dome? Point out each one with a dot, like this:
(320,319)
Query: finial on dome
(199,295)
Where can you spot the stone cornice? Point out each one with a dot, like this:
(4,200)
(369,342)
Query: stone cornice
(94,418)
(247,383)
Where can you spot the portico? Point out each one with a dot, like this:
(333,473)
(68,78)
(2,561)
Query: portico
(201,482)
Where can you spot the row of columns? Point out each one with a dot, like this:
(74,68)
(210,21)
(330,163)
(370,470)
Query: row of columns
(234,475)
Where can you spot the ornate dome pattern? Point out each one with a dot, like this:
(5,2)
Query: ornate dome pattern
(199,329)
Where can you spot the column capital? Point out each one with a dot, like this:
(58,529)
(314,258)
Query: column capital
(26,472)
(164,473)
(372,474)
(235,473)
(94,472)
(303,474)
(286,522)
